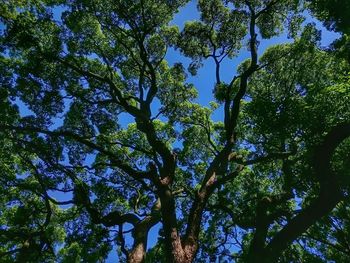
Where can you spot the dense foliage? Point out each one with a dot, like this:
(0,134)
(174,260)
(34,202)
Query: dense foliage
(103,139)
(335,16)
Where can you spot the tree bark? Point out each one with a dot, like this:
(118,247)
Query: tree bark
(330,195)
(140,235)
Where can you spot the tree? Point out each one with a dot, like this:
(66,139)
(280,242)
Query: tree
(334,14)
(267,182)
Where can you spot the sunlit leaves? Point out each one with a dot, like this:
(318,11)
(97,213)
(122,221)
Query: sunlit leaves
(218,34)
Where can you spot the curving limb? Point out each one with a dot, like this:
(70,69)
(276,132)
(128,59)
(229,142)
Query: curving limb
(330,195)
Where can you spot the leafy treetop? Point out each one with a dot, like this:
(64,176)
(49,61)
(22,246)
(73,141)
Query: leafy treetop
(267,182)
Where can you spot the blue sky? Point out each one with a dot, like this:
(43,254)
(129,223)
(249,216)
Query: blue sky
(205,78)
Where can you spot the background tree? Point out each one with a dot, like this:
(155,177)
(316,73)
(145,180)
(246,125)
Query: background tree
(334,15)
(268,181)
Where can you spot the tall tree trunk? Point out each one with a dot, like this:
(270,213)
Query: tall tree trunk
(173,248)
(140,235)
(138,253)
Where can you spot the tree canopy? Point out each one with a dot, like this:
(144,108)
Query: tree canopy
(260,174)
